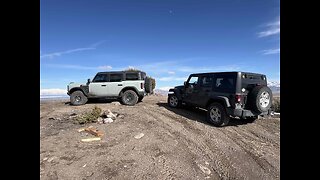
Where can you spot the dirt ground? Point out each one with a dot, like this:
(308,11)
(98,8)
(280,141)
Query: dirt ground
(177,144)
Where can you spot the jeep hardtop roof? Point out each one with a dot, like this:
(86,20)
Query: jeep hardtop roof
(228,72)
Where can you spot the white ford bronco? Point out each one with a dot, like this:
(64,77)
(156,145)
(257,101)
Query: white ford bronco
(127,86)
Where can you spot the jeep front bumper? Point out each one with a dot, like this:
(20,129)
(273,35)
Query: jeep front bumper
(244,113)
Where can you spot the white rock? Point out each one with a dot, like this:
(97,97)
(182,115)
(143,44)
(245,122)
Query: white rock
(107,120)
(138,136)
(204,169)
(51,159)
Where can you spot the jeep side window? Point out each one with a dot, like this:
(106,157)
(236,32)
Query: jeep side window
(206,81)
(225,83)
(100,78)
(132,76)
(193,80)
(115,77)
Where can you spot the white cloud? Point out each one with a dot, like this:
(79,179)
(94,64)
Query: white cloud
(172,78)
(56,54)
(105,67)
(53,92)
(271,51)
(273,28)
(171,72)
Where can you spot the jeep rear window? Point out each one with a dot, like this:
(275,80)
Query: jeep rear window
(132,76)
(100,78)
(115,77)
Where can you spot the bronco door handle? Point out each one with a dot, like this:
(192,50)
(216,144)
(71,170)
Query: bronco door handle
(119,84)
(103,85)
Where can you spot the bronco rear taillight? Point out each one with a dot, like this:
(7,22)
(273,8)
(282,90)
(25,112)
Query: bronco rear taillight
(141,84)
(238,98)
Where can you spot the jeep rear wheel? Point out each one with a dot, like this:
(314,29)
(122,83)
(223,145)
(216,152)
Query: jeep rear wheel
(78,98)
(217,115)
(173,101)
(260,99)
(129,98)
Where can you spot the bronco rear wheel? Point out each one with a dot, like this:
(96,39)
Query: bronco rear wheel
(78,98)
(129,98)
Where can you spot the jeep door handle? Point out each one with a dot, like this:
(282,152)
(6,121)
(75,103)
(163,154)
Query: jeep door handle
(119,84)
(103,85)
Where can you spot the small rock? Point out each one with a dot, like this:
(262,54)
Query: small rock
(120,116)
(204,169)
(100,120)
(51,159)
(206,163)
(138,136)
(116,103)
(72,114)
(88,174)
(84,165)
(59,119)
(51,118)
(44,159)
(125,166)
(107,120)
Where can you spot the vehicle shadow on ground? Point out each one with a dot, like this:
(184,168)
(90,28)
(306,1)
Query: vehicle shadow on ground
(98,101)
(198,115)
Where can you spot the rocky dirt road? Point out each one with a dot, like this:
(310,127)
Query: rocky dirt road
(177,144)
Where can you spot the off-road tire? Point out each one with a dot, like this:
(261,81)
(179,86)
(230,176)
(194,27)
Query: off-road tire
(217,115)
(255,96)
(129,97)
(173,101)
(148,85)
(77,98)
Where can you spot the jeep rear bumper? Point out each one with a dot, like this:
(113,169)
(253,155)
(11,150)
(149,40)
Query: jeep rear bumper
(244,113)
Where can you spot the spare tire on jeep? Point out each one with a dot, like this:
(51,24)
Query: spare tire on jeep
(148,85)
(260,99)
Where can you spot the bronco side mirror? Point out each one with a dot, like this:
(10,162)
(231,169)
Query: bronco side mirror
(185,83)
(88,82)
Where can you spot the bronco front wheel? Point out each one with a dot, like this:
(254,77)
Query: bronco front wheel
(78,98)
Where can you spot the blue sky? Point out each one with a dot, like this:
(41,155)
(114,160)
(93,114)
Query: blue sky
(168,39)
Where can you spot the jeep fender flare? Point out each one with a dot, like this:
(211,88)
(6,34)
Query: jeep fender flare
(220,99)
(176,92)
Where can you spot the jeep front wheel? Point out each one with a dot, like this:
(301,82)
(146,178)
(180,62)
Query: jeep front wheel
(78,98)
(129,98)
(173,101)
(217,115)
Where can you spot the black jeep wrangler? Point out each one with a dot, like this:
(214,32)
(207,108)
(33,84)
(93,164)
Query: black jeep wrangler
(224,94)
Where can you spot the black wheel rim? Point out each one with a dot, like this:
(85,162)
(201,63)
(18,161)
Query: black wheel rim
(77,98)
(129,97)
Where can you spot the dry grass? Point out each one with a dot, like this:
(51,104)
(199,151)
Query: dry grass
(89,117)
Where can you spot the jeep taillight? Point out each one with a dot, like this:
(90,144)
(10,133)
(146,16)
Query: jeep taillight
(238,98)
(141,85)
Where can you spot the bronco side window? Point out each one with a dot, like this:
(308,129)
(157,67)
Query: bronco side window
(100,78)
(115,77)
(132,76)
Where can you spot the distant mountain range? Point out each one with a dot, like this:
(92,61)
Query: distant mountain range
(273,85)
